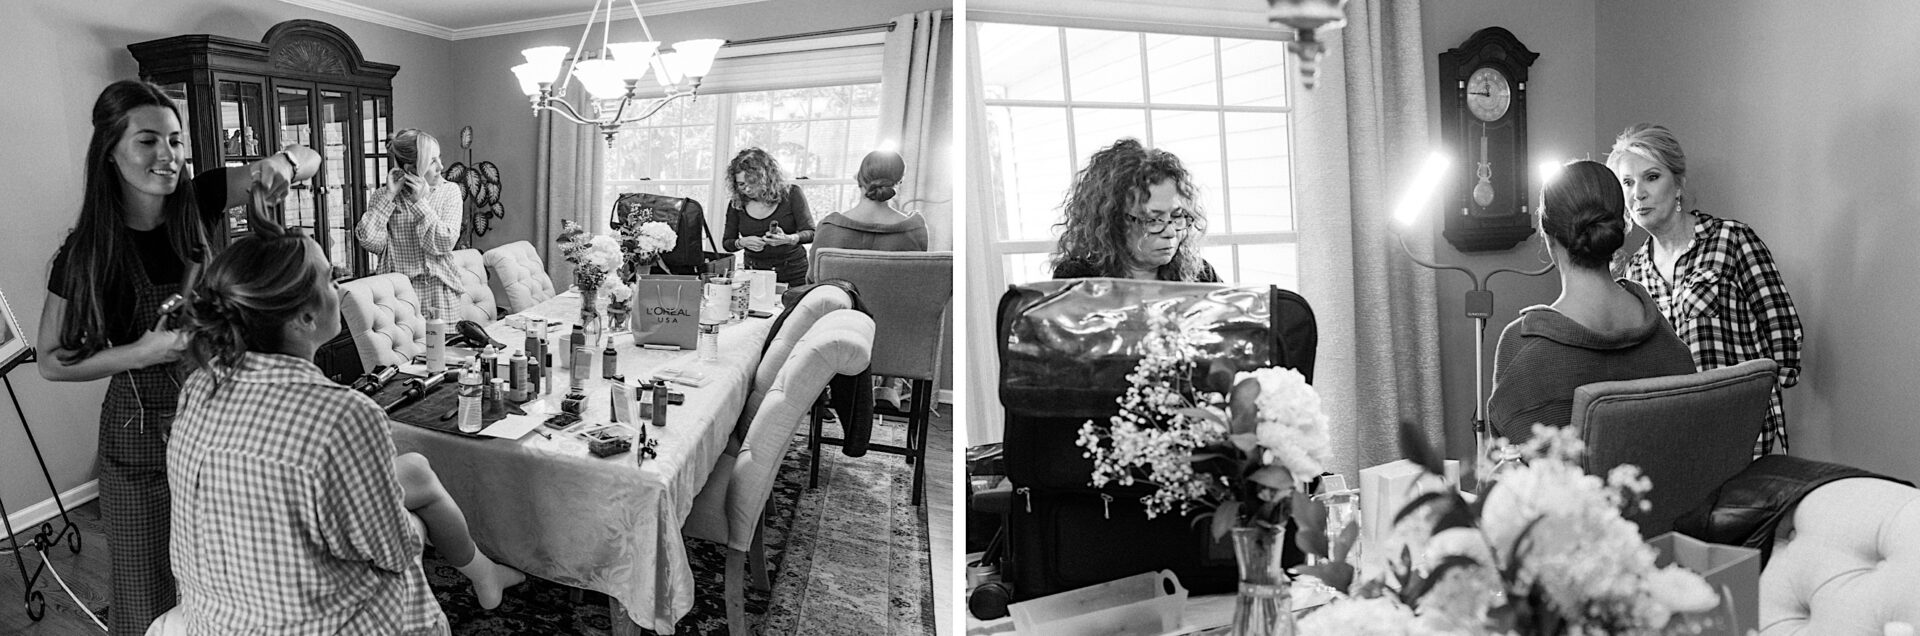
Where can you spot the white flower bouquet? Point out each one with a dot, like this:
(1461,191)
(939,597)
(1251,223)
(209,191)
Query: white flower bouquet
(593,255)
(1546,552)
(643,239)
(1238,446)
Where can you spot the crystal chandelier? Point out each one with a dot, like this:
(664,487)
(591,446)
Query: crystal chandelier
(1306,18)
(612,77)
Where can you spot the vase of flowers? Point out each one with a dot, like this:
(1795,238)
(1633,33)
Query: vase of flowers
(1546,552)
(619,296)
(594,256)
(1238,446)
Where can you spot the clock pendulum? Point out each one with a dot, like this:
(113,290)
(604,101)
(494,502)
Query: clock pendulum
(1483,191)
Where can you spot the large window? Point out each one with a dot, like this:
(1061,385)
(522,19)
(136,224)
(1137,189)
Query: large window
(818,135)
(1055,95)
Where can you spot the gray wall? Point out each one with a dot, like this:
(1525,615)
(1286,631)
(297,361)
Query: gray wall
(1560,115)
(58,57)
(1805,124)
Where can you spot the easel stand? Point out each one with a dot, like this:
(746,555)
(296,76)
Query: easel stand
(46,537)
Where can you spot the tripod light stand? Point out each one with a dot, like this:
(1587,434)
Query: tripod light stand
(1479,300)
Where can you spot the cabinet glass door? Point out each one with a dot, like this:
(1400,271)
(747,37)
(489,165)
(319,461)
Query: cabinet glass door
(376,126)
(242,119)
(295,114)
(336,115)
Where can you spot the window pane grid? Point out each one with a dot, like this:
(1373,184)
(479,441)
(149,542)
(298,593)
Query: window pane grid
(1220,104)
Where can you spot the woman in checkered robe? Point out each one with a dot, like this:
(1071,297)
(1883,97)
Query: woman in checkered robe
(413,223)
(291,511)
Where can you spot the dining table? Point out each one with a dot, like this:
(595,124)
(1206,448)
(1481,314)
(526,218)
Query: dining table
(536,498)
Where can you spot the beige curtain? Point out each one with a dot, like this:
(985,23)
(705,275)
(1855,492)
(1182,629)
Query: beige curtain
(916,97)
(983,414)
(567,162)
(1361,136)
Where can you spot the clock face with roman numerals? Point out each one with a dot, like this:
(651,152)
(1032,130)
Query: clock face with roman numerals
(1488,94)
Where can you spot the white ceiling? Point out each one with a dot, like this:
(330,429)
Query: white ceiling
(464,19)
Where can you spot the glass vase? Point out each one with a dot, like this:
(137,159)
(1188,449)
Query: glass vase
(590,315)
(1264,606)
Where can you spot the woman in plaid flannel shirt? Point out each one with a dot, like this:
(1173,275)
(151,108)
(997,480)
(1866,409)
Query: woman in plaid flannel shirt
(1713,278)
(290,508)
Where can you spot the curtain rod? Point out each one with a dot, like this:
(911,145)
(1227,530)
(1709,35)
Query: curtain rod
(884,26)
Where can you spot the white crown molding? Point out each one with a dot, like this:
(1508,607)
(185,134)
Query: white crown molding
(384,18)
(376,16)
(577,20)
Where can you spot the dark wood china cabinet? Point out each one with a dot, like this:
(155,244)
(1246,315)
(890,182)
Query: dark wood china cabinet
(305,83)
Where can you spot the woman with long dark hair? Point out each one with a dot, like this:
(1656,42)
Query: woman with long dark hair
(767,217)
(141,224)
(1131,214)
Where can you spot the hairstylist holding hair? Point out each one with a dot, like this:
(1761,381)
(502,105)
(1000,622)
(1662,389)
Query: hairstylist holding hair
(1713,278)
(141,222)
(1598,329)
(874,223)
(413,222)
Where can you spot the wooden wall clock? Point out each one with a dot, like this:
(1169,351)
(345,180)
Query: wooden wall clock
(1483,123)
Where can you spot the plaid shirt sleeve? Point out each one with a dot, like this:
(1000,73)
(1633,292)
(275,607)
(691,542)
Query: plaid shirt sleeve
(354,506)
(1770,308)
(372,230)
(439,219)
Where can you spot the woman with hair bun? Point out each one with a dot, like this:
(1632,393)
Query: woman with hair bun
(290,508)
(1599,328)
(875,223)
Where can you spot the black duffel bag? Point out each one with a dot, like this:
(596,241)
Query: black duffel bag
(1065,350)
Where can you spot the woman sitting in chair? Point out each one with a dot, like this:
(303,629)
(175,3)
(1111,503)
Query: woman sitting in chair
(874,223)
(1599,329)
(289,506)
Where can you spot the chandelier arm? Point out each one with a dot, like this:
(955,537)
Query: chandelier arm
(580,48)
(655,108)
(643,20)
(566,110)
(606,29)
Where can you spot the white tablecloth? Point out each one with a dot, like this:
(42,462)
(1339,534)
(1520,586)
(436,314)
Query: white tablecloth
(546,506)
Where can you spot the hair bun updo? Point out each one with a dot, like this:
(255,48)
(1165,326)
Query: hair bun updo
(878,190)
(1583,210)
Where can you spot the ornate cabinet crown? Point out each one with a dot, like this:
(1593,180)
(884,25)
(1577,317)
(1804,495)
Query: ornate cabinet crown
(306,83)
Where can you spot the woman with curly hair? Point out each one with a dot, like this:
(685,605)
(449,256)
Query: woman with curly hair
(1130,214)
(767,217)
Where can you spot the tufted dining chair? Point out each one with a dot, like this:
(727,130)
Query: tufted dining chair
(476,301)
(908,294)
(731,506)
(383,316)
(522,277)
(818,302)
(1849,564)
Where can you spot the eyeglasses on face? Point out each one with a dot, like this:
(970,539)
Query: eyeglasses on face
(1158,225)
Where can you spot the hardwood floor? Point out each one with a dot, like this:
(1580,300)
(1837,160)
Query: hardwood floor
(940,517)
(88,573)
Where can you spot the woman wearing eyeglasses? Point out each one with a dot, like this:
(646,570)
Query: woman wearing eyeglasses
(1130,214)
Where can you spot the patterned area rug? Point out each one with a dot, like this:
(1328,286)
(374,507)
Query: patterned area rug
(849,558)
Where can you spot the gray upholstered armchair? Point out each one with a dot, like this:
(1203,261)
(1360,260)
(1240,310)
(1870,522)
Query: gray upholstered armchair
(1688,433)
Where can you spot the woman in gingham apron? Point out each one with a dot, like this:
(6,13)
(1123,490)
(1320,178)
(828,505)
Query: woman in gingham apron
(127,254)
(413,222)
